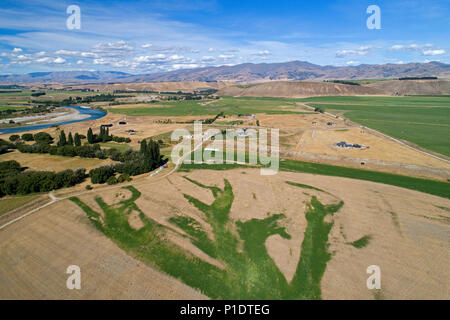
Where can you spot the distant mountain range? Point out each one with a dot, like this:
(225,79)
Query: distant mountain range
(247,72)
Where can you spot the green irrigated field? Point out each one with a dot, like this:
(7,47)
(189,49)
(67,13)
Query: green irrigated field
(228,105)
(3,108)
(406,101)
(438,188)
(25,96)
(422,120)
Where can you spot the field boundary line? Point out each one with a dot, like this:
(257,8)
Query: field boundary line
(27,214)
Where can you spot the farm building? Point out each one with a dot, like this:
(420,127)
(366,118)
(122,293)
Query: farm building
(344,144)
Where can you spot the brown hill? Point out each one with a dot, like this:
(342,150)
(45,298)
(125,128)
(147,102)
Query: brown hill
(411,87)
(185,86)
(299,70)
(299,89)
(247,72)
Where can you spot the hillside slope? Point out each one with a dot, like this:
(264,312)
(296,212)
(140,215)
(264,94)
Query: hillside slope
(412,87)
(299,89)
(166,86)
(247,72)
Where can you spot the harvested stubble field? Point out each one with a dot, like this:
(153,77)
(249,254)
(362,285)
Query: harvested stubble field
(238,225)
(46,162)
(310,138)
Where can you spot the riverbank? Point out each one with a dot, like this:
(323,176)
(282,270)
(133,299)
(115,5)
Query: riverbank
(63,115)
(59,115)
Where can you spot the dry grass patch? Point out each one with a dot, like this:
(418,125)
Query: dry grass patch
(46,162)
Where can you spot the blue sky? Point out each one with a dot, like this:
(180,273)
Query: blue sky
(163,35)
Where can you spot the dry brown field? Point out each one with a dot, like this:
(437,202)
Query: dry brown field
(409,233)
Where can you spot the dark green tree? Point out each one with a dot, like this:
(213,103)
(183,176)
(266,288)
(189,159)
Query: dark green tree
(90,136)
(43,138)
(101,174)
(77,140)
(154,154)
(62,139)
(70,139)
(14,137)
(27,137)
(143,146)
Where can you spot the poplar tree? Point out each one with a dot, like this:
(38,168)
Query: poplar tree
(62,138)
(70,139)
(90,136)
(77,140)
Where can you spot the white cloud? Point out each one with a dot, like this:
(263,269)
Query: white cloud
(44,60)
(67,53)
(89,55)
(59,60)
(425,49)
(353,63)
(207,58)
(17,50)
(146,45)
(433,52)
(80,62)
(118,45)
(361,51)
(176,57)
(174,49)
(226,56)
(185,66)
(151,58)
(101,61)
(262,53)
(413,46)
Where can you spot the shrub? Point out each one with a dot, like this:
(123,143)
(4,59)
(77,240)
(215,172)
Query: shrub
(123,177)
(34,148)
(39,181)
(101,174)
(27,137)
(14,137)
(9,168)
(6,145)
(43,137)
(111,180)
